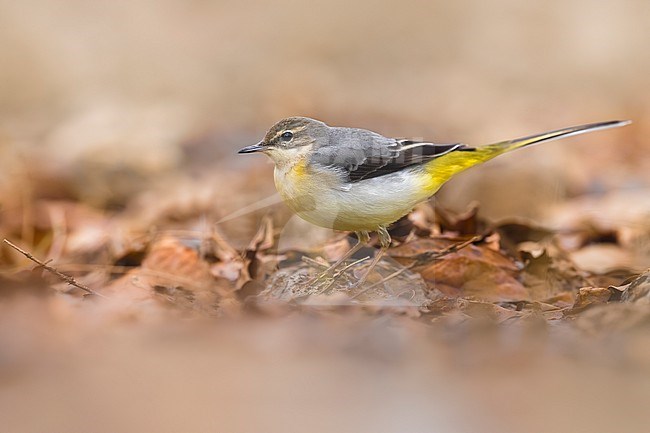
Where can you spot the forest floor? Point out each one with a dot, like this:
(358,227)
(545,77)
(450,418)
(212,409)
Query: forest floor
(189,296)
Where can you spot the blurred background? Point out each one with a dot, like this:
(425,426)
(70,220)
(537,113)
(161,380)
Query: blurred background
(144,88)
(135,109)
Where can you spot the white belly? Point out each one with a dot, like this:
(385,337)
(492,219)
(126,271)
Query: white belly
(363,205)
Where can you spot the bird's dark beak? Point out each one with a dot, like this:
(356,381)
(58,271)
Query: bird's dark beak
(254,148)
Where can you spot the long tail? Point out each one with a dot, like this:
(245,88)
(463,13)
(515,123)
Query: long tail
(441,169)
(506,146)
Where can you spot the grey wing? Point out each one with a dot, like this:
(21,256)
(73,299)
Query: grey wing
(361,154)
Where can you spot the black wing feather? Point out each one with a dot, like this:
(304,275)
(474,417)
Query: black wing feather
(360,154)
(407,153)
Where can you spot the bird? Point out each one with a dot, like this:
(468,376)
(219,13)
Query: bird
(357,180)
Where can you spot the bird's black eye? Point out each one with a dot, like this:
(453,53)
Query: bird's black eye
(287,136)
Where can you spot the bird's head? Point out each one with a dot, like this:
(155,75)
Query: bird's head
(290,139)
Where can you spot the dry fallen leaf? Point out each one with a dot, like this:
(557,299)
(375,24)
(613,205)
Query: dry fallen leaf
(465,223)
(174,272)
(638,290)
(590,296)
(476,271)
(548,272)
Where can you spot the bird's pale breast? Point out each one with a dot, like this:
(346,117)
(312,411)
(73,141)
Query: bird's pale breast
(320,196)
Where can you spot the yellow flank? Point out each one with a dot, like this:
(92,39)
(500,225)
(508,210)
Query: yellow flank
(441,169)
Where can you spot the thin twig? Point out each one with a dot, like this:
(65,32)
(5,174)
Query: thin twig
(67,278)
(420,258)
(346,267)
(340,273)
(313,262)
(383,280)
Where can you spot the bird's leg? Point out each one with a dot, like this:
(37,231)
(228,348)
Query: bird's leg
(384,242)
(362,238)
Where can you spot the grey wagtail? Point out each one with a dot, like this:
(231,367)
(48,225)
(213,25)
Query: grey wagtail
(357,180)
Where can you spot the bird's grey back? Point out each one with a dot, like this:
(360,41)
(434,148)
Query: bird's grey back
(349,148)
(360,154)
